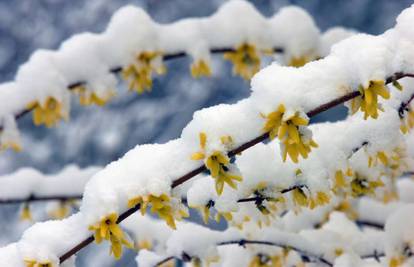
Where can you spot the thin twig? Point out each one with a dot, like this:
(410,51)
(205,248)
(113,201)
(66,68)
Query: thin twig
(33,198)
(232,153)
(242,242)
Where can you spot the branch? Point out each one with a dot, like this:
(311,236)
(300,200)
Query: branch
(33,198)
(232,153)
(116,70)
(306,257)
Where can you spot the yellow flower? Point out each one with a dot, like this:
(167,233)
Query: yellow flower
(286,128)
(298,61)
(380,156)
(407,120)
(108,229)
(262,260)
(368,100)
(61,211)
(360,186)
(217,163)
(160,205)
(140,73)
(320,200)
(346,207)
(144,244)
(340,180)
(200,68)
(34,263)
(48,113)
(11,144)
(299,197)
(87,97)
(396,261)
(26,215)
(245,59)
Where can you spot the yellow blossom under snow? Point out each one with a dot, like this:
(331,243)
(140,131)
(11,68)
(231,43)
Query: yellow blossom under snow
(217,163)
(87,97)
(139,73)
(200,68)
(367,102)
(245,59)
(160,205)
(286,128)
(49,112)
(35,263)
(108,229)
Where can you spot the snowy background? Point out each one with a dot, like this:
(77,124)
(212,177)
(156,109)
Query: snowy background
(95,135)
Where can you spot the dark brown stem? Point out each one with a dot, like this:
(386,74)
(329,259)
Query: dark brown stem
(39,198)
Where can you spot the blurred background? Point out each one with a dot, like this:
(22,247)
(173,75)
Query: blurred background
(99,135)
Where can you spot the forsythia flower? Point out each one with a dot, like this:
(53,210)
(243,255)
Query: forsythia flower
(217,163)
(380,156)
(200,68)
(48,113)
(61,211)
(139,73)
(286,127)
(346,207)
(360,186)
(26,215)
(108,229)
(298,61)
(144,244)
(299,197)
(407,120)
(87,97)
(262,260)
(320,200)
(340,180)
(160,205)
(368,100)
(246,60)
(10,144)
(34,263)
(396,261)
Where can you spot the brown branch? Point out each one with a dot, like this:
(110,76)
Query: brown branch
(232,153)
(34,198)
(116,70)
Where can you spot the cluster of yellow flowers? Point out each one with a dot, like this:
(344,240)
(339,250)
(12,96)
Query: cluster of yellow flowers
(200,68)
(49,112)
(160,205)
(368,100)
(300,199)
(87,97)
(286,127)
(217,163)
(108,229)
(139,73)
(245,59)
(34,263)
